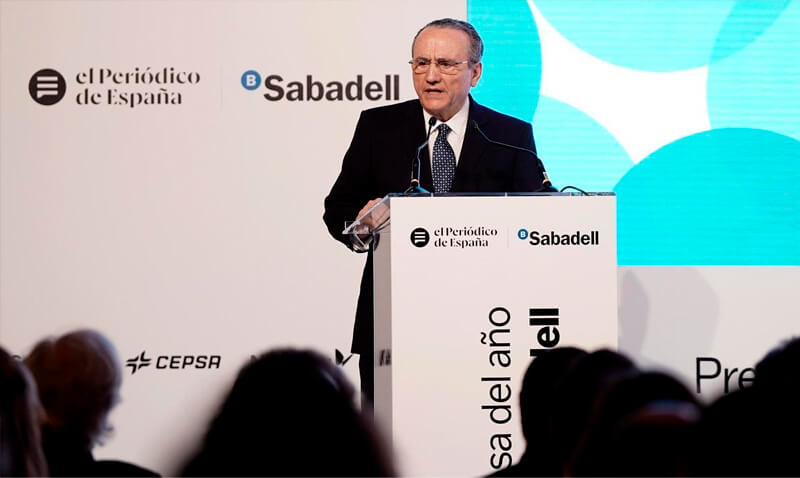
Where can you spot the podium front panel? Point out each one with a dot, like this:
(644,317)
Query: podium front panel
(468,291)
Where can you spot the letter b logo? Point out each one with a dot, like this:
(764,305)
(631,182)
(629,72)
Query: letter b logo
(251,80)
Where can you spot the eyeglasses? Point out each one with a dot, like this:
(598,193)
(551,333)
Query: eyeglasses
(447,67)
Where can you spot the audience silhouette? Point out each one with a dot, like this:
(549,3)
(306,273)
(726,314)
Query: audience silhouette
(753,431)
(293,413)
(575,397)
(637,405)
(536,397)
(20,418)
(78,376)
(597,414)
(290,413)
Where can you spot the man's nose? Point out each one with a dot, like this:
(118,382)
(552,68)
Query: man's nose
(432,75)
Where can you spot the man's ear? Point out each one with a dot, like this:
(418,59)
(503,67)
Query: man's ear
(477,69)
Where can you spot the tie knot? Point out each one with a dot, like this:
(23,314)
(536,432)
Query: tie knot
(444,130)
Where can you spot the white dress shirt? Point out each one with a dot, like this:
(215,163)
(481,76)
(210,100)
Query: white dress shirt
(458,127)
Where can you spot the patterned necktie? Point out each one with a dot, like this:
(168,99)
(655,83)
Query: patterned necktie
(444,162)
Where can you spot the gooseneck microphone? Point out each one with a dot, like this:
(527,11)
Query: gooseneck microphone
(546,185)
(416,165)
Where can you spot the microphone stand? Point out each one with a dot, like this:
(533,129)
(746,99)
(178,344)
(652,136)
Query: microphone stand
(416,165)
(546,185)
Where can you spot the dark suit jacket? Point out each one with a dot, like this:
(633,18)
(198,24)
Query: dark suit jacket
(378,162)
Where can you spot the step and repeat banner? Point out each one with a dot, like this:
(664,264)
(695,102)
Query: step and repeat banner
(163,166)
(163,169)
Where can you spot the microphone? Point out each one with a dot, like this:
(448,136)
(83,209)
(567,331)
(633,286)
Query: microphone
(547,186)
(416,165)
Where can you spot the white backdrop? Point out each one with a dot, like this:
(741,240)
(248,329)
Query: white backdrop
(195,229)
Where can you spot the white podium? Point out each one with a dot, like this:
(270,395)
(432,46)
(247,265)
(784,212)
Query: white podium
(467,290)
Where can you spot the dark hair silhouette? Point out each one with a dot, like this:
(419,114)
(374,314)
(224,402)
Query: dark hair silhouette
(636,406)
(539,386)
(777,370)
(575,399)
(729,437)
(536,407)
(290,413)
(753,431)
(655,440)
(20,414)
(78,376)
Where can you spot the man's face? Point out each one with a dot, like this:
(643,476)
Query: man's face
(442,95)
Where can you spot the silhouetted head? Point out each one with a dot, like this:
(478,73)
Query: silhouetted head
(731,436)
(575,399)
(78,376)
(539,387)
(655,440)
(665,398)
(777,371)
(290,413)
(20,420)
(752,431)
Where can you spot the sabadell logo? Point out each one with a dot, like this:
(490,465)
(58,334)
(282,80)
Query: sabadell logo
(553,238)
(310,88)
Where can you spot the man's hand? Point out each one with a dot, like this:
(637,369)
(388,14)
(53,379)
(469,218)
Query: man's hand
(371,221)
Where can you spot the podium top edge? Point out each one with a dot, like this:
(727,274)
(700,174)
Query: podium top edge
(403,195)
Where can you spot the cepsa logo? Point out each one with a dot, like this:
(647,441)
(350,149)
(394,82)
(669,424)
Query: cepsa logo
(310,88)
(173,362)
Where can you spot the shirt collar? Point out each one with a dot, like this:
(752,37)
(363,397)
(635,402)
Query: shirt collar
(457,124)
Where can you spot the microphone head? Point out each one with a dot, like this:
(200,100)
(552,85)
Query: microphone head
(431,122)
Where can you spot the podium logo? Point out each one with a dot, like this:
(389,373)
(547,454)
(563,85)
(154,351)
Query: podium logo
(420,237)
(251,80)
(553,238)
(47,87)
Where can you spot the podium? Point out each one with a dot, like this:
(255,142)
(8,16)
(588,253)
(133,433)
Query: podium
(469,289)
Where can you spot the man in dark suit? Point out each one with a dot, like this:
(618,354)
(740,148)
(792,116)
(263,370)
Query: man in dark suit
(446,63)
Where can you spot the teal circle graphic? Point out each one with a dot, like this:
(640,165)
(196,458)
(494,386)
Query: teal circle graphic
(660,35)
(759,86)
(747,20)
(575,149)
(512,60)
(721,197)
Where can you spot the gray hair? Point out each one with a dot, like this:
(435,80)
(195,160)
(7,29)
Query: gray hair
(475,42)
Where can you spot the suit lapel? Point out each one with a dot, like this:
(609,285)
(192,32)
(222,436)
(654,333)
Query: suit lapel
(472,151)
